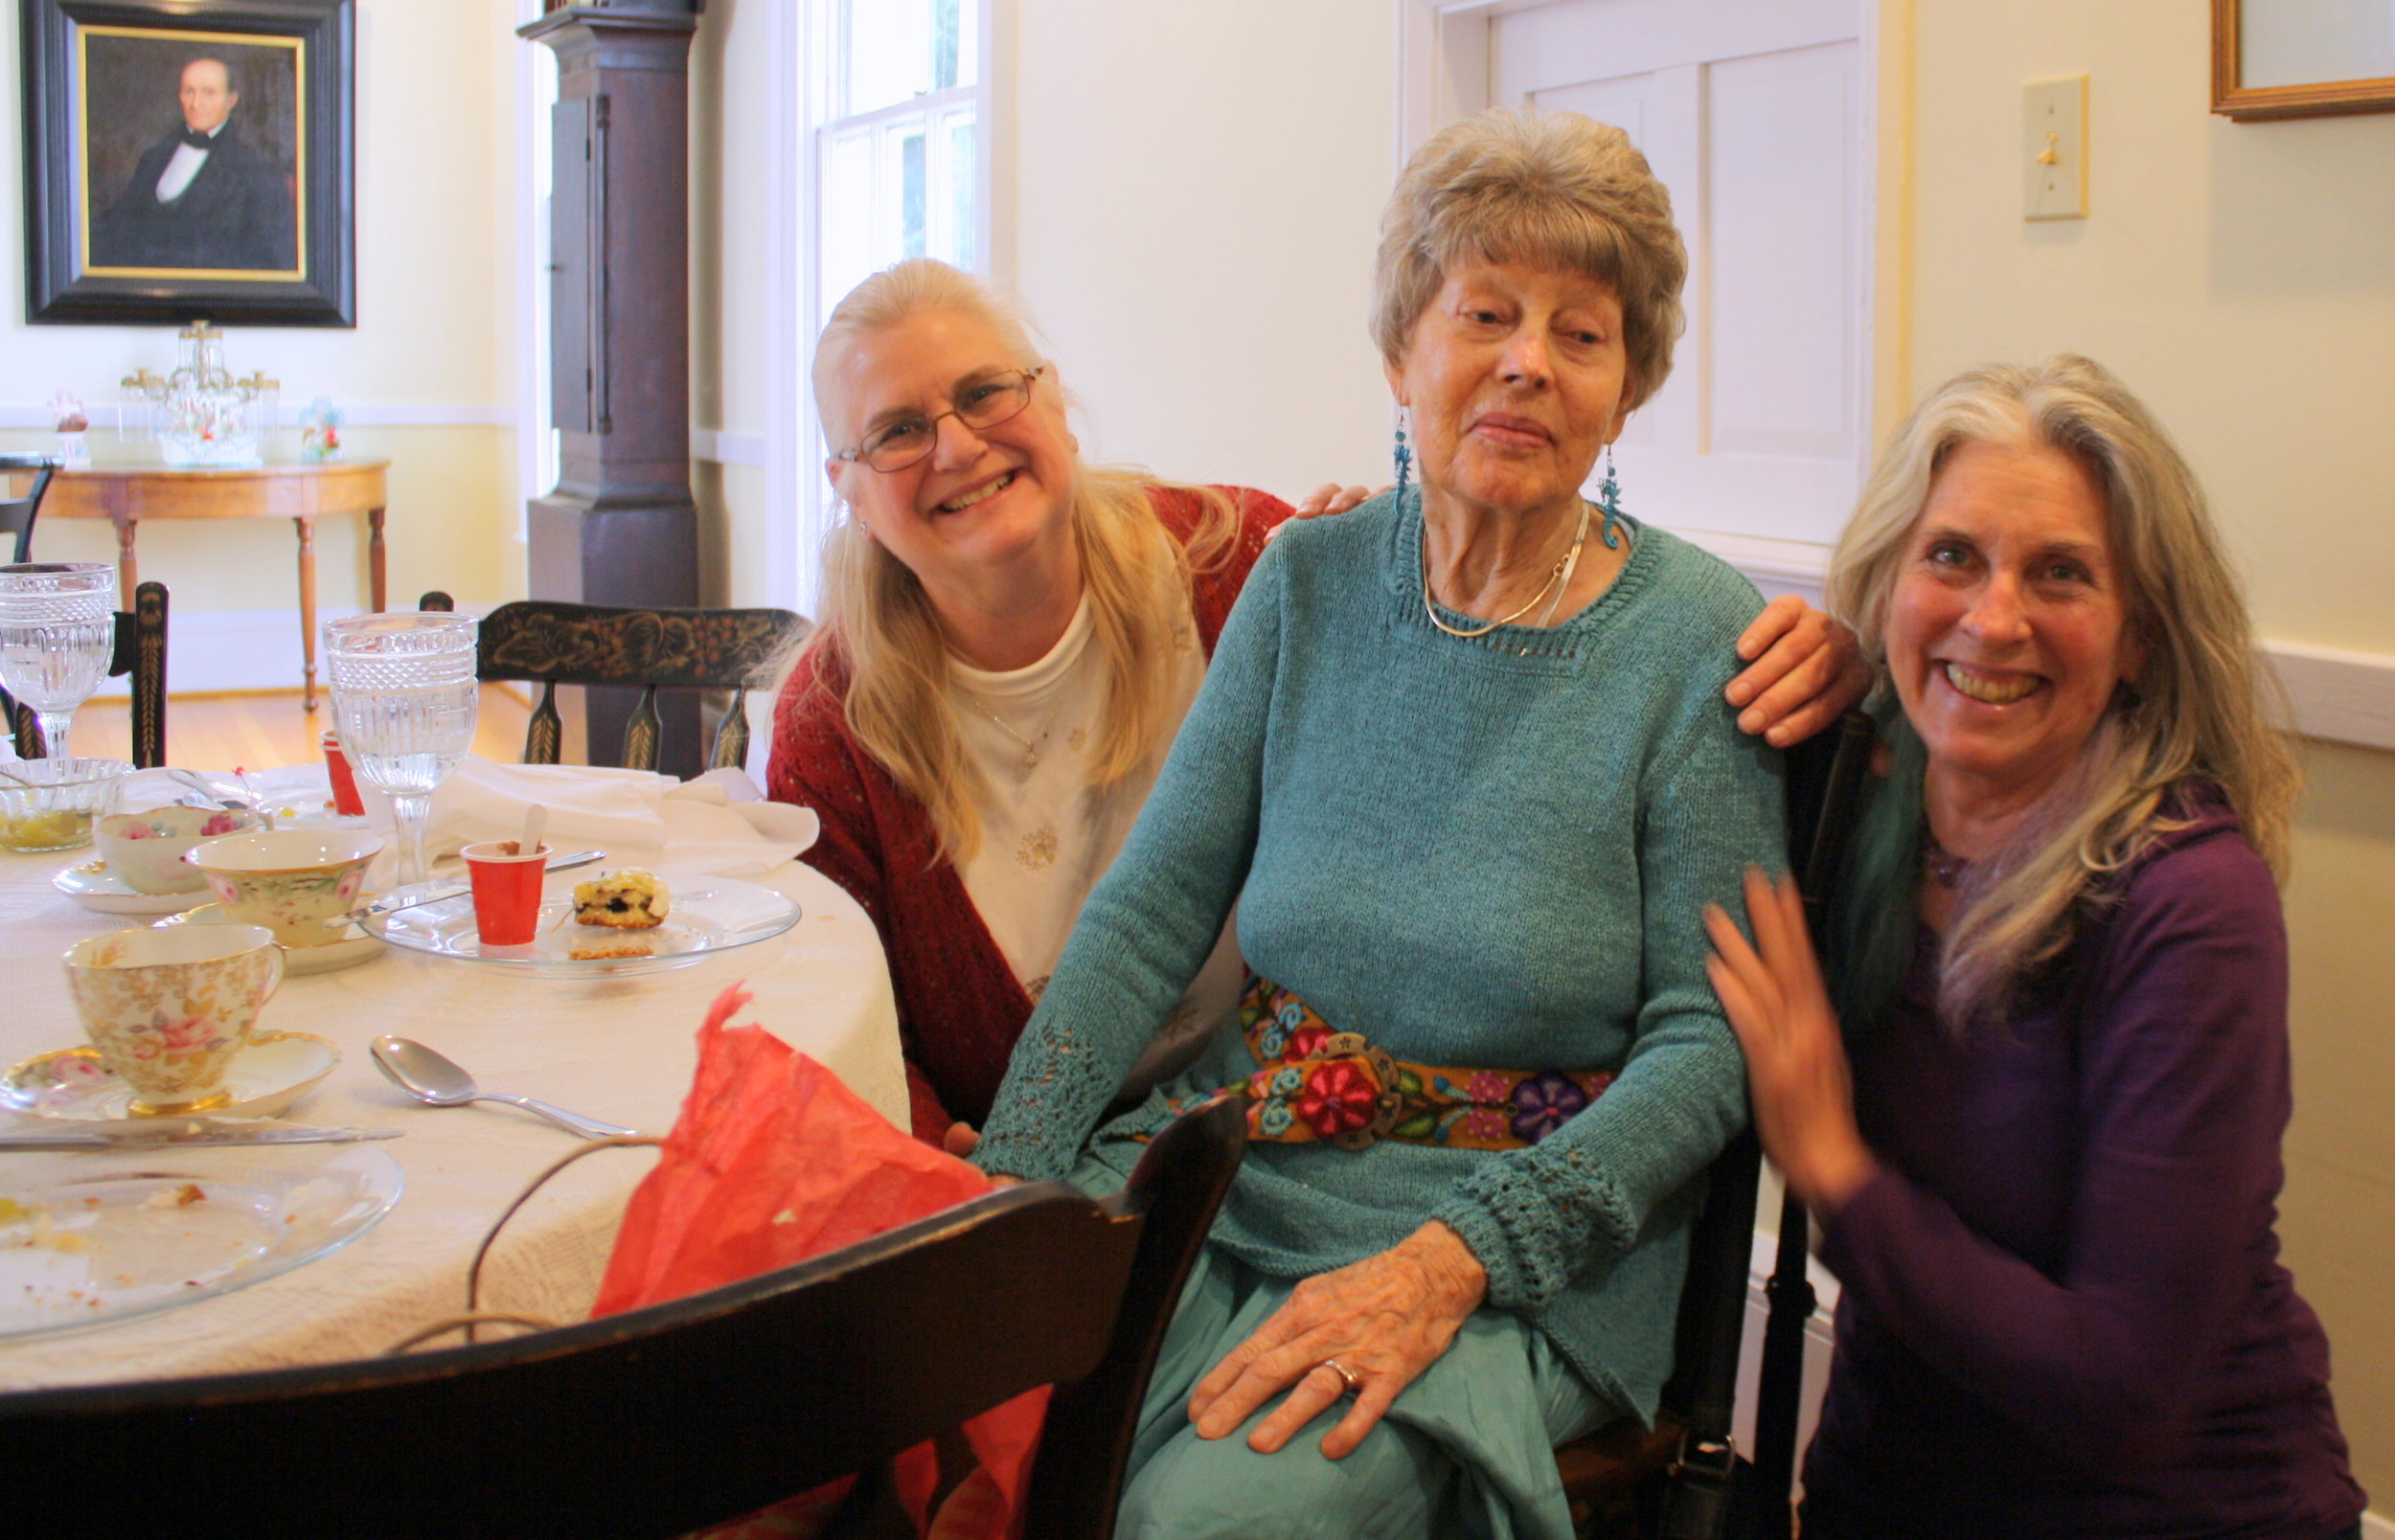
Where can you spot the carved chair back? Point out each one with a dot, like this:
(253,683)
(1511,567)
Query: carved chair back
(552,643)
(141,650)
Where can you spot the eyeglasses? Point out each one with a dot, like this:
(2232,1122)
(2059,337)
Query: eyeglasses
(983,404)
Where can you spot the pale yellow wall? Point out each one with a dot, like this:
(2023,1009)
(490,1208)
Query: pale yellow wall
(436,306)
(2241,277)
(1196,200)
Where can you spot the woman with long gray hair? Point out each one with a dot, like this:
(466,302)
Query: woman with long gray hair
(2037,1109)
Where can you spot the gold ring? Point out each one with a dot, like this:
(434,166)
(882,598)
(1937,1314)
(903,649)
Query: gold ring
(1347,1376)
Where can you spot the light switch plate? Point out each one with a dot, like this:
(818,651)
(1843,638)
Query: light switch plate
(2054,147)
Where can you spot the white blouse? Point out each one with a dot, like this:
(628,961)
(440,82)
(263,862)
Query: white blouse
(1047,835)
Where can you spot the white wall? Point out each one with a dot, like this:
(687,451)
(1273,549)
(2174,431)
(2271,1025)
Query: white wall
(1195,209)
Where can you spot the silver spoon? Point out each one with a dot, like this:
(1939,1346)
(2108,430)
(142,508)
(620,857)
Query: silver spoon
(427,1077)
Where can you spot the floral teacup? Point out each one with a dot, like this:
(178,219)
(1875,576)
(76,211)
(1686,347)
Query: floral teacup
(291,881)
(169,1009)
(145,849)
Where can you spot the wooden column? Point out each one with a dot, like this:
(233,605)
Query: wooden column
(621,528)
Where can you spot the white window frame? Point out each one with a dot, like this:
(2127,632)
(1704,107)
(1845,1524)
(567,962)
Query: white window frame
(802,99)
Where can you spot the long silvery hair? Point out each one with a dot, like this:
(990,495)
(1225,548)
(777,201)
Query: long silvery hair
(2197,711)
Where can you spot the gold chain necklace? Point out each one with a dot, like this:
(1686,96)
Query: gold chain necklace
(1559,579)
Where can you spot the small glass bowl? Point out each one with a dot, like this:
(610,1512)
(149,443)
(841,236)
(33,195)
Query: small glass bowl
(48,804)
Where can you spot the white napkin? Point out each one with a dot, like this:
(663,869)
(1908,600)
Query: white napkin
(718,824)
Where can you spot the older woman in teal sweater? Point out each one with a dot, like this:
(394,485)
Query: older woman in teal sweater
(1463,761)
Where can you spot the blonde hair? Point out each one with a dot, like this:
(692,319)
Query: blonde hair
(1559,192)
(2197,708)
(877,619)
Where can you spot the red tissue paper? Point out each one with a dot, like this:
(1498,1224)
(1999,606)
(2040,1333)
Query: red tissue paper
(773,1161)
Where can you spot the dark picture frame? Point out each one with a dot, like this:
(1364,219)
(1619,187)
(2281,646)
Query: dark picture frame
(120,227)
(2232,97)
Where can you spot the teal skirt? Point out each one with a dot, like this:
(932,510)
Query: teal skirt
(1466,1450)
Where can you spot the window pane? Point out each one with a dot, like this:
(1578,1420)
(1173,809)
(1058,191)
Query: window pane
(967,42)
(889,51)
(961,183)
(847,223)
(943,43)
(911,200)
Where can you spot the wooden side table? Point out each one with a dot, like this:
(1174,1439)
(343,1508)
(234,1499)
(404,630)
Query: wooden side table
(301,492)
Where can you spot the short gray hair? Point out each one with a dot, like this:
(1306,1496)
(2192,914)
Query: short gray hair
(1559,192)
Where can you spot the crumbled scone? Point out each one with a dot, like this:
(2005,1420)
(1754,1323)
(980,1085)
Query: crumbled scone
(629,899)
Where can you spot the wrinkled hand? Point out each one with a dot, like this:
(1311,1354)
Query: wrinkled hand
(1331,498)
(1387,1318)
(1804,671)
(1795,1060)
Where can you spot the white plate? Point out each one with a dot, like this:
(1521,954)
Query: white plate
(104,893)
(354,947)
(73,1083)
(708,915)
(90,1239)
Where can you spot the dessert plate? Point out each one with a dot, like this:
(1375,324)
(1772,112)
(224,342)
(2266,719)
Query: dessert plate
(707,915)
(92,1238)
(75,1083)
(354,947)
(99,890)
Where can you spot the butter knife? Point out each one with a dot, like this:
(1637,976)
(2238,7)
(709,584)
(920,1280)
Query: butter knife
(178,1133)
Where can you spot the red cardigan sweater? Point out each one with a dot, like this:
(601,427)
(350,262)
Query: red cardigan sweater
(960,1008)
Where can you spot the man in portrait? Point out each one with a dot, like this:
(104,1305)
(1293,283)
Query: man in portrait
(201,197)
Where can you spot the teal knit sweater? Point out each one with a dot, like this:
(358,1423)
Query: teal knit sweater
(1487,854)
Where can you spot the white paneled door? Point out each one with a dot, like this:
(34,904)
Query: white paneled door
(1755,114)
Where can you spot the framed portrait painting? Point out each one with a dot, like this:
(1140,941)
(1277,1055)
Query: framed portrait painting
(190,160)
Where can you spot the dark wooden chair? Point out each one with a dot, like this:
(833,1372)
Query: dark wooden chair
(16,523)
(141,651)
(18,513)
(557,643)
(656,1421)
(1674,1482)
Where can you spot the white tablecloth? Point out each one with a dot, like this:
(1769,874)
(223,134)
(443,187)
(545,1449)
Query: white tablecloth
(620,1050)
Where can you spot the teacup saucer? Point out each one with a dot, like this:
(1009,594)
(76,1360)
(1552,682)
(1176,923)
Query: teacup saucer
(274,1071)
(103,891)
(354,947)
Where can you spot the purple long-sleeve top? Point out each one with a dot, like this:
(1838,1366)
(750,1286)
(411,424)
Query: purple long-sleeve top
(2063,1312)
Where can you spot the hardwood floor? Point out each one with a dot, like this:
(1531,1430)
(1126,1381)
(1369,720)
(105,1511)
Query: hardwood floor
(261,732)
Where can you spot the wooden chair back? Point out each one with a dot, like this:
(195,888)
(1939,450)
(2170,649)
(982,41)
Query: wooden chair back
(18,513)
(552,643)
(1673,1482)
(659,1420)
(140,650)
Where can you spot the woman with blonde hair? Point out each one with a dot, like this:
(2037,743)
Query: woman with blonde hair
(1008,639)
(2047,1175)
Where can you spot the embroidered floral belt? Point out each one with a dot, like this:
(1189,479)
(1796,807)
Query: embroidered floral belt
(1315,1085)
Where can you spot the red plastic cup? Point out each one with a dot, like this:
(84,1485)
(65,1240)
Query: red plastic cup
(506,891)
(345,802)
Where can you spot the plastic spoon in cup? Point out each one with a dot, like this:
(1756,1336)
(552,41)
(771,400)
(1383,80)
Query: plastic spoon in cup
(429,1078)
(535,823)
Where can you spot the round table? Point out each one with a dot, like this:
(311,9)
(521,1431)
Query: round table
(617,1049)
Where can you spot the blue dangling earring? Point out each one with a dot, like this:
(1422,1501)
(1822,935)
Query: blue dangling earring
(1405,456)
(1609,499)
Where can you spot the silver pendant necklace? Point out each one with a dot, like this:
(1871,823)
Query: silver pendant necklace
(1031,747)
